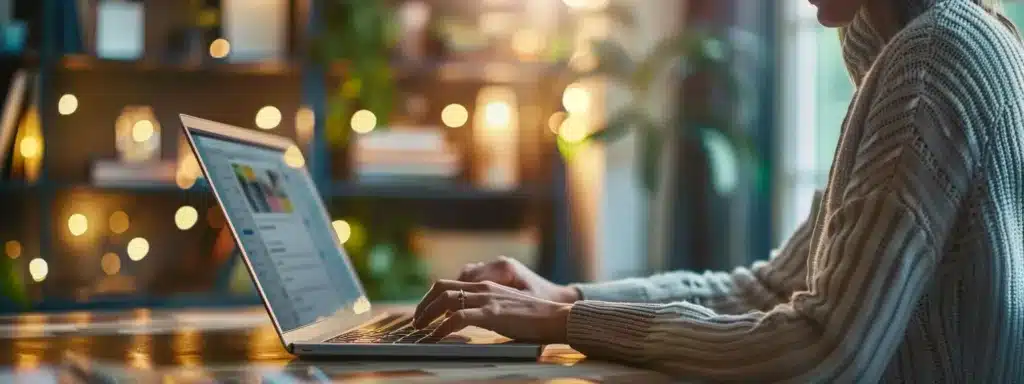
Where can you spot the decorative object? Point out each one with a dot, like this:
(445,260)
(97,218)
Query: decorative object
(255,28)
(358,34)
(137,134)
(120,33)
(496,139)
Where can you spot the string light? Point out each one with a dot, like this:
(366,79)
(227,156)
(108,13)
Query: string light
(119,222)
(305,120)
(186,217)
(363,121)
(220,48)
(38,269)
(268,117)
(343,230)
(576,99)
(67,104)
(454,115)
(110,263)
(142,130)
(78,224)
(12,249)
(138,248)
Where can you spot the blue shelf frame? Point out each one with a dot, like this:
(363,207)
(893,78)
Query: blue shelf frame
(54,47)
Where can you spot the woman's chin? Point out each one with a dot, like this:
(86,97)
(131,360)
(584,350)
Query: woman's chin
(834,14)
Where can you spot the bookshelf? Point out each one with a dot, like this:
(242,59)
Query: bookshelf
(232,93)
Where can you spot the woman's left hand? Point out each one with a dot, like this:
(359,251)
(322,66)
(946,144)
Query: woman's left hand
(492,306)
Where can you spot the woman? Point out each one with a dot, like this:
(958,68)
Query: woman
(911,268)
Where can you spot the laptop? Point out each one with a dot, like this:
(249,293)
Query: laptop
(305,279)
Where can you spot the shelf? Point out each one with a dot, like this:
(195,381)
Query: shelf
(428,192)
(455,70)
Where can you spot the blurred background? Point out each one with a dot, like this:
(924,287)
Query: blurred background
(590,139)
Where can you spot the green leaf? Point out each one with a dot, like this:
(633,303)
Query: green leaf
(664,53)
(650,145)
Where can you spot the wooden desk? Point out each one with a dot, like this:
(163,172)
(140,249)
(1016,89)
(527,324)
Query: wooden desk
(204,346)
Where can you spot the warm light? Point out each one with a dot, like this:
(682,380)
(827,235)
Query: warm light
(186,217)
(527,42)
(362,305)
(343,230)
(220,48)
(594,5)
(573,129)
(67,104)
(138,248)
(38,269)
(305,119)
(142,130)
(119,222)
(110,263)
(293,157)
(497,113)
(555,121)
(454,115)
(583,61)
(30,147)
(576,99)
(363,121)
(78,224)
(268,117)
(12,249)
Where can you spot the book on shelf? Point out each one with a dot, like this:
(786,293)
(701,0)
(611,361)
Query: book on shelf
(113,173)
(14,105)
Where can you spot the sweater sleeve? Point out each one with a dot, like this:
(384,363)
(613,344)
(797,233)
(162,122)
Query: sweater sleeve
(869,266)
(760,287)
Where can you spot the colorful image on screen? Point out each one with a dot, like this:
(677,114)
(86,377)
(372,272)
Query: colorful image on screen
(263,189)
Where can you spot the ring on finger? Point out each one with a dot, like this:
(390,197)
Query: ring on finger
(462,299)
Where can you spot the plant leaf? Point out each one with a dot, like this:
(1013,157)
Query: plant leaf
(617,126)
(612,61)
(650,145)
(664,52)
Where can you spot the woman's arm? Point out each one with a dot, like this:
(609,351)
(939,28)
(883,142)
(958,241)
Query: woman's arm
(907,173)
(760,287)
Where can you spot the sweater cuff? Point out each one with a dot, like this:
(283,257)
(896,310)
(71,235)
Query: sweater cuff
(618,291)
(620,330)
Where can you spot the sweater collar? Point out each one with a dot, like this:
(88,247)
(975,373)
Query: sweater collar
(861,45)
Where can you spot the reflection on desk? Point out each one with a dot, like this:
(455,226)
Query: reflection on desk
(238,346)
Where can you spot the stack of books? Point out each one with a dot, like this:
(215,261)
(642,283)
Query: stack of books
(402,155)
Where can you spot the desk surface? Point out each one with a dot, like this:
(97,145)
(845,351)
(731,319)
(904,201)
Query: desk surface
(238,346)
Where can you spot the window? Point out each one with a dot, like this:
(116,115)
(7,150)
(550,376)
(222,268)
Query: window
(816,91)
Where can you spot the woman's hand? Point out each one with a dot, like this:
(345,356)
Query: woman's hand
(512,273)
(505,310)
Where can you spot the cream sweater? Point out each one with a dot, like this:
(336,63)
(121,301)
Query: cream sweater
(911,266)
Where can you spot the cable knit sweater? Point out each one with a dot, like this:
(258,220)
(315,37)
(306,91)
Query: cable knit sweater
(911,266)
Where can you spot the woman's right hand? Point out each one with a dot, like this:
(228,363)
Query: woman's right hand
(513,274)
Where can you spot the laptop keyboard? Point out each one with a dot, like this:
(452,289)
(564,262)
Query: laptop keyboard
(394,329)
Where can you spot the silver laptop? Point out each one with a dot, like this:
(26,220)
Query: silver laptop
(301,271)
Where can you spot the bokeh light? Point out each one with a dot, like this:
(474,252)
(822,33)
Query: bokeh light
(268,117)
(555,121)
(293,157)
(454,115)
(573,129)
(497,114)
(30,147)
(38,269)
(138,248)
(576,99)
(186,217)
(78,224)
(220,48)
(110,263)
(343,230)
(119,222)
(12,249)
(67,104)
(363,121)
(305,120)
(142,130)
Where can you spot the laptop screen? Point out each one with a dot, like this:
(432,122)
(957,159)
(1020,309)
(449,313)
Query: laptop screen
(281,224)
